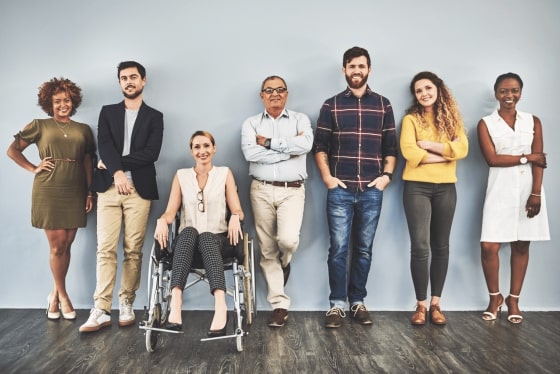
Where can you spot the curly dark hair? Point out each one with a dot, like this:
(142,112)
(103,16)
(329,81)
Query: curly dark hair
(448,120)
(57,85)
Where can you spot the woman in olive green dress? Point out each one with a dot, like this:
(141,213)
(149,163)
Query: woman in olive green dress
(60,198)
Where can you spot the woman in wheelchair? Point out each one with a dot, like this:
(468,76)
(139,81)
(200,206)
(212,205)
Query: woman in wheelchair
(205,194)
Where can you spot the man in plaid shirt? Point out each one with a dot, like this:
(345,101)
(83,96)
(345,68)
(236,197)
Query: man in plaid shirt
(356,151)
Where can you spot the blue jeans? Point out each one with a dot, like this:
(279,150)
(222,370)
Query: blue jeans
(352,217)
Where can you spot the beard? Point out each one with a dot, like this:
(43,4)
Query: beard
(133,95)
(356,85)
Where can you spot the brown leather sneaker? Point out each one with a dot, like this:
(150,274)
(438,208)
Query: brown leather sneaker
(436,316)
(333,318)
(359,313)
(419,316)
(278,317)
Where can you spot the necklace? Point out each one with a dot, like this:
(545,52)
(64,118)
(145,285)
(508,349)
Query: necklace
(62,127)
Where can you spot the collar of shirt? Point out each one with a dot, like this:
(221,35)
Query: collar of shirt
(283,114)
(349,93)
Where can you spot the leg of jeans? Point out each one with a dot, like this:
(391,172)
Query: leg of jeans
(340,212)
(418,211)
(109,221)
(183,246)
(264,212)
(366,218)
(210,247)
(290,204)
(135,212)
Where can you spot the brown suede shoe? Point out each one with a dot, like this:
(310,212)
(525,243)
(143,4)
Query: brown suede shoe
(278,317)
(436,316)
(419,316)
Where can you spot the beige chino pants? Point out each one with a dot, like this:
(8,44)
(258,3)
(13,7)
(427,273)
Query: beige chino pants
(114,210)
(278,213)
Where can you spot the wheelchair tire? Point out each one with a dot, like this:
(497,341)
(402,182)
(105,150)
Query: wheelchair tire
(239,343)
(248,292)
(152,336)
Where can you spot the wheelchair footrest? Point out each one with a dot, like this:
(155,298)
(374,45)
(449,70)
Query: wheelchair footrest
(161,330)
(237,334)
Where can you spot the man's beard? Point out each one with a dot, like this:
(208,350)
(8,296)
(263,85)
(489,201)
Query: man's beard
(134,95)
(358,85)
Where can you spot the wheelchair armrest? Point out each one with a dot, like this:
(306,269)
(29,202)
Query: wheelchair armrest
(160,252)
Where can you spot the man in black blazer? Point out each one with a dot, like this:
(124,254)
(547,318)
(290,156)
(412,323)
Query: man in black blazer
(129,137)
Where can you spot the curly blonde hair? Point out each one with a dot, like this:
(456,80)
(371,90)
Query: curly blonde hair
(447,118)
(57,85)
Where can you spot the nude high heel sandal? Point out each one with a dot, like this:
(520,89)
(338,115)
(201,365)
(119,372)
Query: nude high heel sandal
(488,315)
(513,318)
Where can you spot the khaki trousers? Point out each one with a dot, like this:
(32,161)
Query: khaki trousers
(278,213)
(114,210)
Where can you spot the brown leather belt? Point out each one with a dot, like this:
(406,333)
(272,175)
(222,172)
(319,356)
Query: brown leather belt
(282,184)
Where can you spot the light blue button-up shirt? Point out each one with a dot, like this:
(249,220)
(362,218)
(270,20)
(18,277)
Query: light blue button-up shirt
(291,139)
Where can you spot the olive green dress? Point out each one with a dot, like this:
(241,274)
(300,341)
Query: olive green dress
(59,196)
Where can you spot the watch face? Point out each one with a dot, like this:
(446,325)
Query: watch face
(523,160)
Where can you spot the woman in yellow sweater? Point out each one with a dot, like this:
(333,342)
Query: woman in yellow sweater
(432,139)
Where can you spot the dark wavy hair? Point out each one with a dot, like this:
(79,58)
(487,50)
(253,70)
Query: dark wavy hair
(447,118)
(508,76)
(56,85)
(354,52)
(202,133)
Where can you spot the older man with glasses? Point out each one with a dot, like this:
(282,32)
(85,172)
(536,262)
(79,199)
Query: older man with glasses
(275,143)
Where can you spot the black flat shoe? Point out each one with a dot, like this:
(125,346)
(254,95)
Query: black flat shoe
(173,326)
(218,333)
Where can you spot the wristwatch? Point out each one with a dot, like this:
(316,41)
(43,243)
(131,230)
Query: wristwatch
(523,159)
(390,175)
(267,143)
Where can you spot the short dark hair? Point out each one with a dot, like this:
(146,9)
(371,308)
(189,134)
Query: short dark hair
(131,64)
(354,52)
(508,76)
(54,86)
(271,78)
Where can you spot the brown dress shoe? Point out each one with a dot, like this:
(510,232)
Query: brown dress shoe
(436,316)
(419,316)
(278,317)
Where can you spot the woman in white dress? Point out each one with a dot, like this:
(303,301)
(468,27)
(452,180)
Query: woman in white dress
(515,207)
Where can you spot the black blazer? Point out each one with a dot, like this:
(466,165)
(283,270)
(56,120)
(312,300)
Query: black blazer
(145,145)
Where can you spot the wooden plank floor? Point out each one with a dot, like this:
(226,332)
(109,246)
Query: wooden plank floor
(29,343)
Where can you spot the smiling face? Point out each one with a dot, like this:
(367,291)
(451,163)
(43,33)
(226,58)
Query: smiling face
(62,106)
(202,149)
(275,101)
(508,93)
(426,93)
(356,72)
(132,83)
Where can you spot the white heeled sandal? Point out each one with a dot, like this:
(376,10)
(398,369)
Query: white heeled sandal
(513,318)
(488,315)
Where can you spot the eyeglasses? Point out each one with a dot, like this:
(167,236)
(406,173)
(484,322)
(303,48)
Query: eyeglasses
(505,91)
(200,197)
(270,90)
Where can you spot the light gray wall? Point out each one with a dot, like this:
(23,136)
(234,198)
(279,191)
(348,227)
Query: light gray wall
(205,62)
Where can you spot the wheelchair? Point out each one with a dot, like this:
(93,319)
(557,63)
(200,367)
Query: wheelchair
(239,260)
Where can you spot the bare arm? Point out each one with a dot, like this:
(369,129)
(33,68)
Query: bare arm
(533,205)
(234,205)
(173,205)
(15,152)
(495,160)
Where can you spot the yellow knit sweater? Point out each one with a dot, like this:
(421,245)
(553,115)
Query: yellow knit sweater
(415,169)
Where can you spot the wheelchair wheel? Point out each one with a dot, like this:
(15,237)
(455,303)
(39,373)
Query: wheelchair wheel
(165,293)
(152,336)
(239,343)
(248,282)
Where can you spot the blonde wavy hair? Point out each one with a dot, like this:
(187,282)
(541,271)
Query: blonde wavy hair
(447,118)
